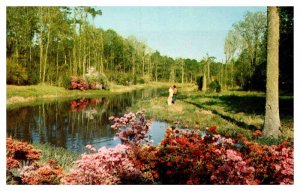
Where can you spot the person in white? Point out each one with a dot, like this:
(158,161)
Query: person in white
(170,95)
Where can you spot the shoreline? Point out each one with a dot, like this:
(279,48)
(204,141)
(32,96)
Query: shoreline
(17,96)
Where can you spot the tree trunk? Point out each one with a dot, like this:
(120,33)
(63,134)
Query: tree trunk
(272,120)
(47,47)
(182,71)
(41,43)
(74,71)
(204,83)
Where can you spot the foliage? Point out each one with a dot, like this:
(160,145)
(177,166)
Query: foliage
(215,86)
(16,73)
(96,80)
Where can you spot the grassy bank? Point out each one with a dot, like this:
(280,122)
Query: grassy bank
(27,95)
(64,157)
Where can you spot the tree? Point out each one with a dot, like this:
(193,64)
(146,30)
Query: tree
(272,120)
(250,34)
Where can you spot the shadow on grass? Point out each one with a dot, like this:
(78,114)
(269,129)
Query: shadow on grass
(228,118)
(248,104)
(251,104)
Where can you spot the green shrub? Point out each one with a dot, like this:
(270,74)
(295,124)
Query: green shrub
(215,86)
(16,73)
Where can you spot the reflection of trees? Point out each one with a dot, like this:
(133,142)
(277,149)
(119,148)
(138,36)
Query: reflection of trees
(64,125)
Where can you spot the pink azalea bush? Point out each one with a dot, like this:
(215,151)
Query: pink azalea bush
(132,128)
(106,166)
(49,173)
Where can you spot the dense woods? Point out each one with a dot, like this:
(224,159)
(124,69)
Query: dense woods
(49,44)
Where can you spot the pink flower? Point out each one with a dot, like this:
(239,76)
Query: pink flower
(232,155)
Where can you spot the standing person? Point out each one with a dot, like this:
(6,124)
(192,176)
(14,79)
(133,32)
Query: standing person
(174,94)
(170,96)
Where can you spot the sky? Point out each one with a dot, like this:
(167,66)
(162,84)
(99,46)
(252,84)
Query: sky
(187,32)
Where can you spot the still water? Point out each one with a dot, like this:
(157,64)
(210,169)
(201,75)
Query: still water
(76,123)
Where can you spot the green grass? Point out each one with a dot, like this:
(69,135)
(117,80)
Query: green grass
(63,157)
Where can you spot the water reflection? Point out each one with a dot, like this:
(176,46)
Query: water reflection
(76,123)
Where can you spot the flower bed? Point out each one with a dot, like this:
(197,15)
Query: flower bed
(184,156)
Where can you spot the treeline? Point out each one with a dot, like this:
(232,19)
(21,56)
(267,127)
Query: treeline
(48,44)
(246,51)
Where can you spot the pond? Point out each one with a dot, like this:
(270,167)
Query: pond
(76,123)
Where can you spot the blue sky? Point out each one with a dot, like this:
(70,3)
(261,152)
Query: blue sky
(188,32)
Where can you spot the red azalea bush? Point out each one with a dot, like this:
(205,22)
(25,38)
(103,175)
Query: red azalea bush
(146,161)
(185,157)
(20,152)
(77,82)
(21,157)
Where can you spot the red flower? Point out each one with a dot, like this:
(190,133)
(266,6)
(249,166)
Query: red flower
(257,133)
(169,172)
(212,129)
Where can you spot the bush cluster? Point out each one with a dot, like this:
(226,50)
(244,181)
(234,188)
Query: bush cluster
(92,80)
(22,166)
(184,156)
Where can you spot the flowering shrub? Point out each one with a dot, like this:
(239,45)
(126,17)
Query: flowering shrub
(273,164)
(186,157)
(132,128)
(77,82)
(146,161)
(107,166)
(22,157)
(96,80)
(50,173)
(20,152)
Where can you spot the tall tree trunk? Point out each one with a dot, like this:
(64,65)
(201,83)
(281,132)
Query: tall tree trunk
(41,43)
(208,72)
(182,71)
(272,120)
(74,70)
(143,64)
(47,47)
(57,63)
(204,83)
(101,54)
